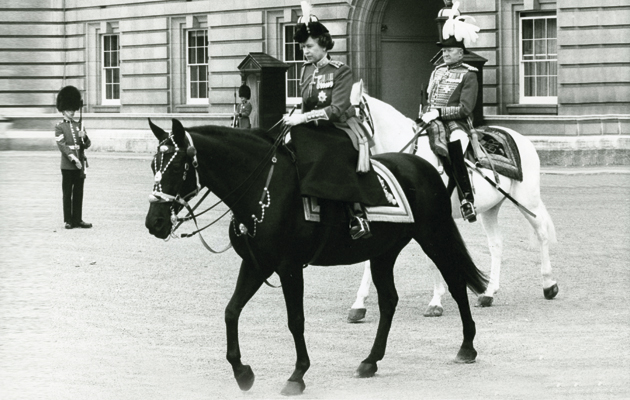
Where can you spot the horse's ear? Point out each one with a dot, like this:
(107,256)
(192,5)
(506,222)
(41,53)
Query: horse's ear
(356,93)
(179,133)
(157,131)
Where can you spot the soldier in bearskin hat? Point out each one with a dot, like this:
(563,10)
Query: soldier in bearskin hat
(452,95)
(245,108)
(331,168)
(72,142)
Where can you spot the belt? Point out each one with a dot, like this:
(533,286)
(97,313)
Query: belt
(74,147)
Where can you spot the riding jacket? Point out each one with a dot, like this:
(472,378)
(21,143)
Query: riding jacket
(69,142)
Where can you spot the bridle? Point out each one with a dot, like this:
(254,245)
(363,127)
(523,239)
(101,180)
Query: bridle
(158,196)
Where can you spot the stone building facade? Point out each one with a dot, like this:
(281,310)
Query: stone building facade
(554,67)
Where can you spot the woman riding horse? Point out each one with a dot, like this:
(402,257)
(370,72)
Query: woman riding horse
(332,157)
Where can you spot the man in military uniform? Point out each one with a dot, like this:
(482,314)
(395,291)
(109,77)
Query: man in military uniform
(245,108)
(452,95)
(72,142)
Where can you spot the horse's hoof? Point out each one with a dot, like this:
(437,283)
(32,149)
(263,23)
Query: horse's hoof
(245,378)
(356,315)
(484,301)
(551,291)
(365,370)
(466,356)
(434,311)
(293,388)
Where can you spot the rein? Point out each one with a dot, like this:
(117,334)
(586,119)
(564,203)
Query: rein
(159,196)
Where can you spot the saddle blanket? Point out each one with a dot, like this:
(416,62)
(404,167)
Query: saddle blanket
(502,150)
(398,211)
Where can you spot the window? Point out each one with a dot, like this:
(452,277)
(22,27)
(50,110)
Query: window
(293,56)
(110,78)
(538,60)
(197,66)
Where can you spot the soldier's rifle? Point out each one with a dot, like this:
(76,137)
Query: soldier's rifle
(235,122)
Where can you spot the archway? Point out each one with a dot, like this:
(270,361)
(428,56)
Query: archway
(391,43)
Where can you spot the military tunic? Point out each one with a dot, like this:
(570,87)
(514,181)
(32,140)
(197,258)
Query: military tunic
(453,91)
(69,142)
(244,110)
(326,157)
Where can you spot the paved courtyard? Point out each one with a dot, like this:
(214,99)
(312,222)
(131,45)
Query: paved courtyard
(114,313)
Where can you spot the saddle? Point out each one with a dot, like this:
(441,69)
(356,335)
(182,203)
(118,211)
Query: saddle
(499,152)
(397,211)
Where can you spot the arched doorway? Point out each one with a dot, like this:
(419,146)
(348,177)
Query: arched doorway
(392,42)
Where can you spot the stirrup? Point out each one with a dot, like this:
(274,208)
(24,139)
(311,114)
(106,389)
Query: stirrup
(468,211)
(359,228)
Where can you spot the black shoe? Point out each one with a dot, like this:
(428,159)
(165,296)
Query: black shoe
(69,225)
(359,228)
(468,211)
(84,225)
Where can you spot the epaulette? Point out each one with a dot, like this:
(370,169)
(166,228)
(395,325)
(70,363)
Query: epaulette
(336,64)
(59,123)
(470,67)
(441,65)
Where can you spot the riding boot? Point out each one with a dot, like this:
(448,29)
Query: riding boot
(464,188)
(359,225)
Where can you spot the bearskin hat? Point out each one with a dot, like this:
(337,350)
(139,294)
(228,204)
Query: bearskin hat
(69,99)
(245,91)
(308,25)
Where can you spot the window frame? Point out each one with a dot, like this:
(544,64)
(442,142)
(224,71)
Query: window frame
(188,66)
(523,99)
(105,69)
(298,65)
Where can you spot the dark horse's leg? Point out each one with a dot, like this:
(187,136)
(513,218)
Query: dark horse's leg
(248,283)
(446,248)
(383,277)
(293,289)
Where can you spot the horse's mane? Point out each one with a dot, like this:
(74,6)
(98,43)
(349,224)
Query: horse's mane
(206,130)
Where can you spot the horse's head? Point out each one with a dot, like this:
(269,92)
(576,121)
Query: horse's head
(176,179)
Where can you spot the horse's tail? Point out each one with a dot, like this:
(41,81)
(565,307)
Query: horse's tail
(447,249)
(475,279)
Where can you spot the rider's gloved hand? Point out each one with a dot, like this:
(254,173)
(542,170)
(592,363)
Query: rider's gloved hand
(430,116)
(295,119)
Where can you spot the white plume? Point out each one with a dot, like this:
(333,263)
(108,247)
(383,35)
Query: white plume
(457,26)
(306,11)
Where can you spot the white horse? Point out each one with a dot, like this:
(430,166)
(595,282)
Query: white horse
(392,131)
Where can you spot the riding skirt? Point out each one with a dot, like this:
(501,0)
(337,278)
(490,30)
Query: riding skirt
(327,162)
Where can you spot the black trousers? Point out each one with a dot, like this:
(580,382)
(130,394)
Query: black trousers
(72,186)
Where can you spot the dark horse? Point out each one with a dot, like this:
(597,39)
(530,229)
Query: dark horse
(259,182)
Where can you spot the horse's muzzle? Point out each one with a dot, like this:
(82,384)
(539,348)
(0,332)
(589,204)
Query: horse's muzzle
(158,225)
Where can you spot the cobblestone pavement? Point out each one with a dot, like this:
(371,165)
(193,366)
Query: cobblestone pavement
(113,313)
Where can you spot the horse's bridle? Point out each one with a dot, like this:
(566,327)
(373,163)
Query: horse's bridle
(158,196)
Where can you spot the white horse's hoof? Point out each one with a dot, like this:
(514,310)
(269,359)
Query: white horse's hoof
(484,301)
(434,311)
(356,315)
(551,291)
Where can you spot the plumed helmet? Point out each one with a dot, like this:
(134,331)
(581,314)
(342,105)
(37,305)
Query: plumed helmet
(69,99)
(308,25)
(457,32)
(245,91)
